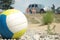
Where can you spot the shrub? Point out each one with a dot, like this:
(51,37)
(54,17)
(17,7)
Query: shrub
(48,18)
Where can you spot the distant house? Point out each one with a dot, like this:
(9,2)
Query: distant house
(35,8)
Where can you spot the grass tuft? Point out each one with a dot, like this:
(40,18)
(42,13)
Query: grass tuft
(48,18)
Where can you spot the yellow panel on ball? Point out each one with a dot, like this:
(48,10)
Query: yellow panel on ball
(19,33)
(9,11)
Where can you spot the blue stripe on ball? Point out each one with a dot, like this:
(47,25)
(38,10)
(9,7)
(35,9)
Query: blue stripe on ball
(4,30)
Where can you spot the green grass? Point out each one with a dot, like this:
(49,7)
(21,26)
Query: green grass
(48,18)
(50,30)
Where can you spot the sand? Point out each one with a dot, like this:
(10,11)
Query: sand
(43,28)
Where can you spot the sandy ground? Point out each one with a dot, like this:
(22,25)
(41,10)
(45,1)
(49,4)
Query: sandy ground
(44,27)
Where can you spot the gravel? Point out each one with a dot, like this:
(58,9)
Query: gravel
(36,35)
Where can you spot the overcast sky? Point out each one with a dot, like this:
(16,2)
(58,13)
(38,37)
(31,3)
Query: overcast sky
(23,4)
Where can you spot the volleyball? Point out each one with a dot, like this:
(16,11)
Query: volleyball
(13,23)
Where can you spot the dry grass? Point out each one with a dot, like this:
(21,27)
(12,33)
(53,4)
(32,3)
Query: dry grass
(31,18)
(57,18)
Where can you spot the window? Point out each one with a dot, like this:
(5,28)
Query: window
(33,5)
(36,5)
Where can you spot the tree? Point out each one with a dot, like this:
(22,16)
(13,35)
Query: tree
(6,4)
(53,7)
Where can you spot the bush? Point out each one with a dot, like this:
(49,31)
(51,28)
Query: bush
(48,18)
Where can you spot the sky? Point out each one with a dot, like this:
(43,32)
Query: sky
(23,4)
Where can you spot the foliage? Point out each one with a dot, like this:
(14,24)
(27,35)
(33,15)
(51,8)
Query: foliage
(6,4)
(53,8)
